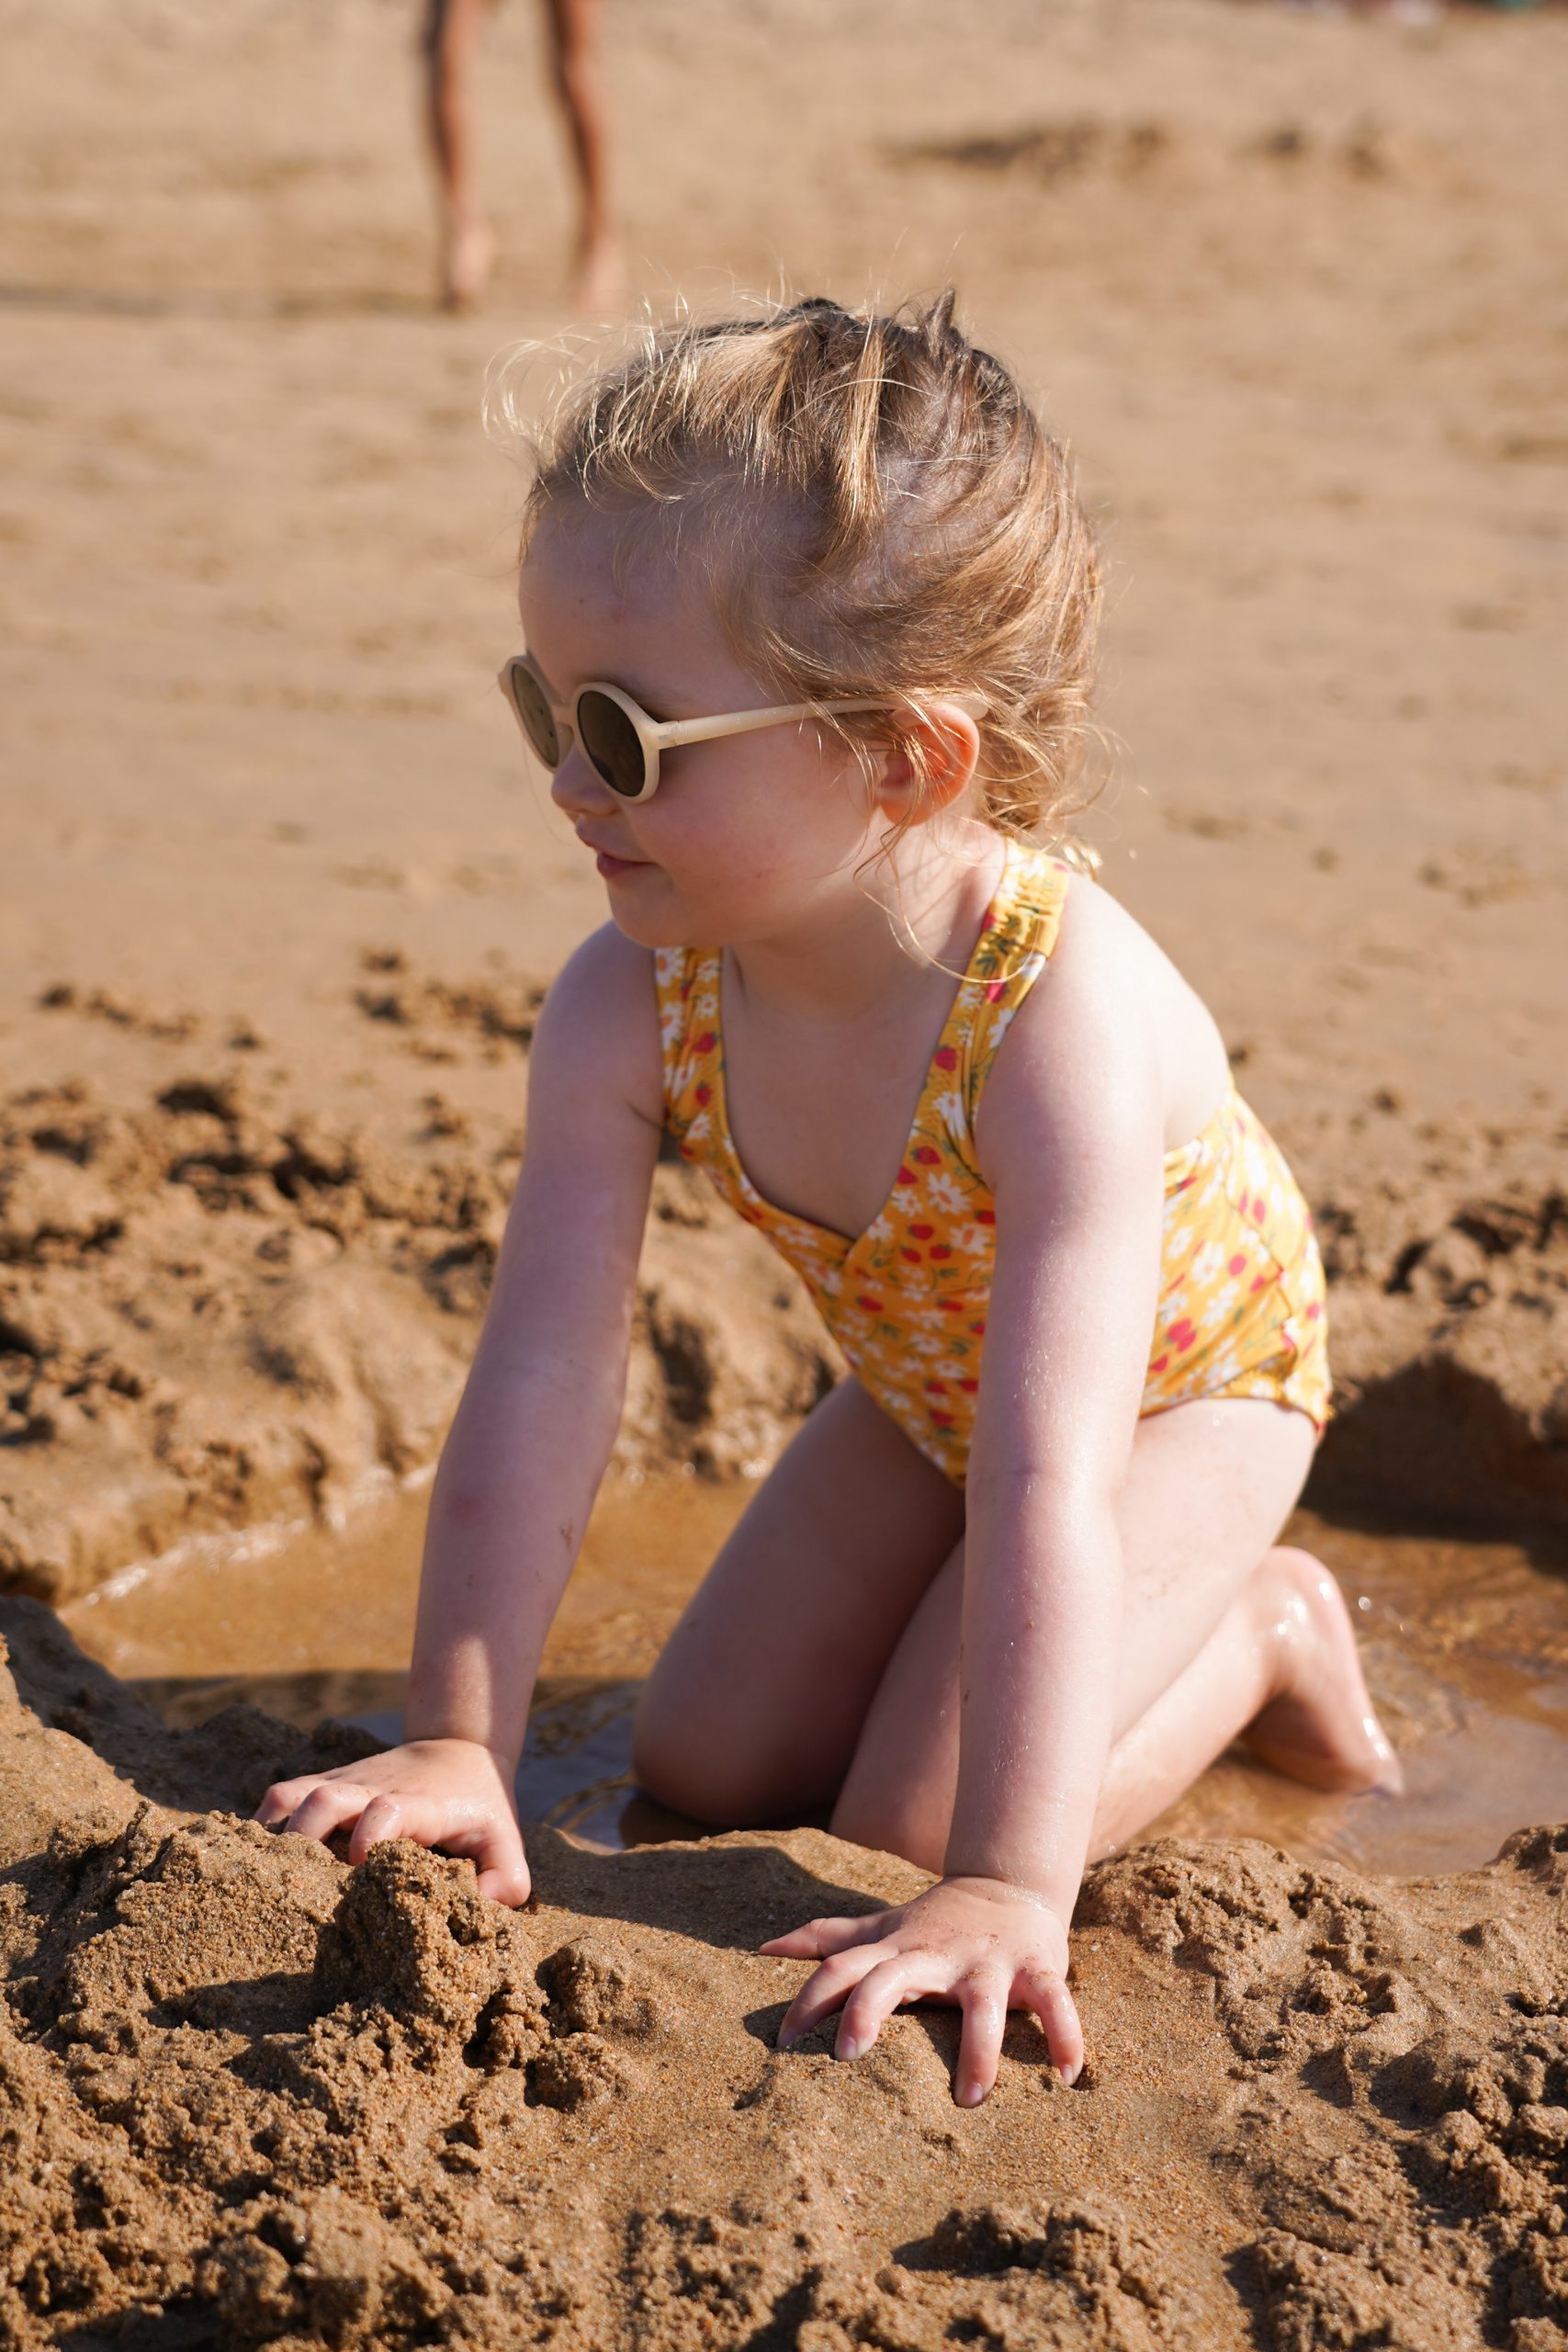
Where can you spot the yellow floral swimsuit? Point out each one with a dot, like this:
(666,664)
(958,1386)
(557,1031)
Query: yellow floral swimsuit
(1241,1310)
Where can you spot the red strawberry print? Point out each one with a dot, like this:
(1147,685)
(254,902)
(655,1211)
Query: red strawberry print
(706,1043)
(941,1250)
(926,1155)
(705,1094)
(945,1057)
(1237,1264)
(1183,1335)
(922,1232)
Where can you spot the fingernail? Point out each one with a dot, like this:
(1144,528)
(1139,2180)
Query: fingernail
(974,2094)
(1069,2075)
(846,2046)
(786,2041)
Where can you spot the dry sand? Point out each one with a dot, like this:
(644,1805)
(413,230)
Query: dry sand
(278,908)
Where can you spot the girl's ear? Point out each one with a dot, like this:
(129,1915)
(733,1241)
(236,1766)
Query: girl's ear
(910,789)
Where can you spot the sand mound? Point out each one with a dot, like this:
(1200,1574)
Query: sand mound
(217,1309)
(1447,1249)
(248,2096)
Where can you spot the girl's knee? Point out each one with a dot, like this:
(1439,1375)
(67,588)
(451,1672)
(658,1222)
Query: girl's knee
(684,1761)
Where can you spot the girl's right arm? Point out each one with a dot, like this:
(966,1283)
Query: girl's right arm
(532,1436)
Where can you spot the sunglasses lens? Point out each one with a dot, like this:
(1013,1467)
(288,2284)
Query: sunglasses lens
(613,743)
(528,700)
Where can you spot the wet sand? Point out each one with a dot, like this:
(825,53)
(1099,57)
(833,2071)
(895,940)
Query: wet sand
(279,909)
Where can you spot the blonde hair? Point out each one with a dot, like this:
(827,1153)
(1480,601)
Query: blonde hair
(883,514)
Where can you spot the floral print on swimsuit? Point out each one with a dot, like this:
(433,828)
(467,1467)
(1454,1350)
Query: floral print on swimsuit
(1241,1310)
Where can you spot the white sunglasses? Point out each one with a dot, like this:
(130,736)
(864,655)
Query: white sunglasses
(619,739)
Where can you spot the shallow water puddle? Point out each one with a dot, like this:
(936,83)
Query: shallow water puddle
(1466,1647)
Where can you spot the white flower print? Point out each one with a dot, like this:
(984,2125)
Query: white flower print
(879,1230)
(1207,1259)
(950,1110)
(946,1194)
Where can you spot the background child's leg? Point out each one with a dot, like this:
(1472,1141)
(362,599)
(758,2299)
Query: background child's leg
(451,32)
(756,1703)
(1222,1631)
(574,68)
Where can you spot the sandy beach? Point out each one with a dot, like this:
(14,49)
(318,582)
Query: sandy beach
(281,902)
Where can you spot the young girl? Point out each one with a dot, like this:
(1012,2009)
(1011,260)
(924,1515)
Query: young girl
(809,610)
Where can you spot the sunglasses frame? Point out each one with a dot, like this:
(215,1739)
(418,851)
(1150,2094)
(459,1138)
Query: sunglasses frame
(658,735)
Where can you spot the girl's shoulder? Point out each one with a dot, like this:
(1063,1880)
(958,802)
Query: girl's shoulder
(601,1013)
(1116,1019)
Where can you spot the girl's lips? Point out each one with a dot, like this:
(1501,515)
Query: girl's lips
(610,866)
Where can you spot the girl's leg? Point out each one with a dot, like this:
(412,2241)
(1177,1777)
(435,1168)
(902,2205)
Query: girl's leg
(757,1702)
(451,32)
(572,26)
(1222,1632)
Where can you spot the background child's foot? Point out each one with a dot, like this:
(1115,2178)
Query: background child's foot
(598,278)
(465,258)
(1321,1726)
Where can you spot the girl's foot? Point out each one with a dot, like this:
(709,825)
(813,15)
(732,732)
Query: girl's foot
(1320,1726)
(468,251)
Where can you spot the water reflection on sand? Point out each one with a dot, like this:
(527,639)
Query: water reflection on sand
(1466,1645)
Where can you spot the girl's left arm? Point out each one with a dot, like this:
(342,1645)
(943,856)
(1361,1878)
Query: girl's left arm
(1072,1137)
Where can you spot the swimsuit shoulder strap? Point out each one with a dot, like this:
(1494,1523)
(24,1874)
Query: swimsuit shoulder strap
(686,982)
(1016,946)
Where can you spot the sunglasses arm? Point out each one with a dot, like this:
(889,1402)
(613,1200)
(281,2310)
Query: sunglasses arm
(674,732)
(669,733)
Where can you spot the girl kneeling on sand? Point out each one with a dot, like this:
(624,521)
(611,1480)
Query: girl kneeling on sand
(809,608)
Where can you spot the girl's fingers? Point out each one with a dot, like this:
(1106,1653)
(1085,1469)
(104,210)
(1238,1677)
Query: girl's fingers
(330,1804)
(873,2002)
(381,1820)
(821,1994)
(503,1867)
(1052,2003)
(980,2040)
(283,1798)
(819,1937)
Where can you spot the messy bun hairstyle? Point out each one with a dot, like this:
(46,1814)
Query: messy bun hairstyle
(880,513)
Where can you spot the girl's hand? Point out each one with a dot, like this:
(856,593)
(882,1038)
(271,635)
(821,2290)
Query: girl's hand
(447,1792)
(977,1941)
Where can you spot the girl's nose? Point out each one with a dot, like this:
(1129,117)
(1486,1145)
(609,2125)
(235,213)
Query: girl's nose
(577,787)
